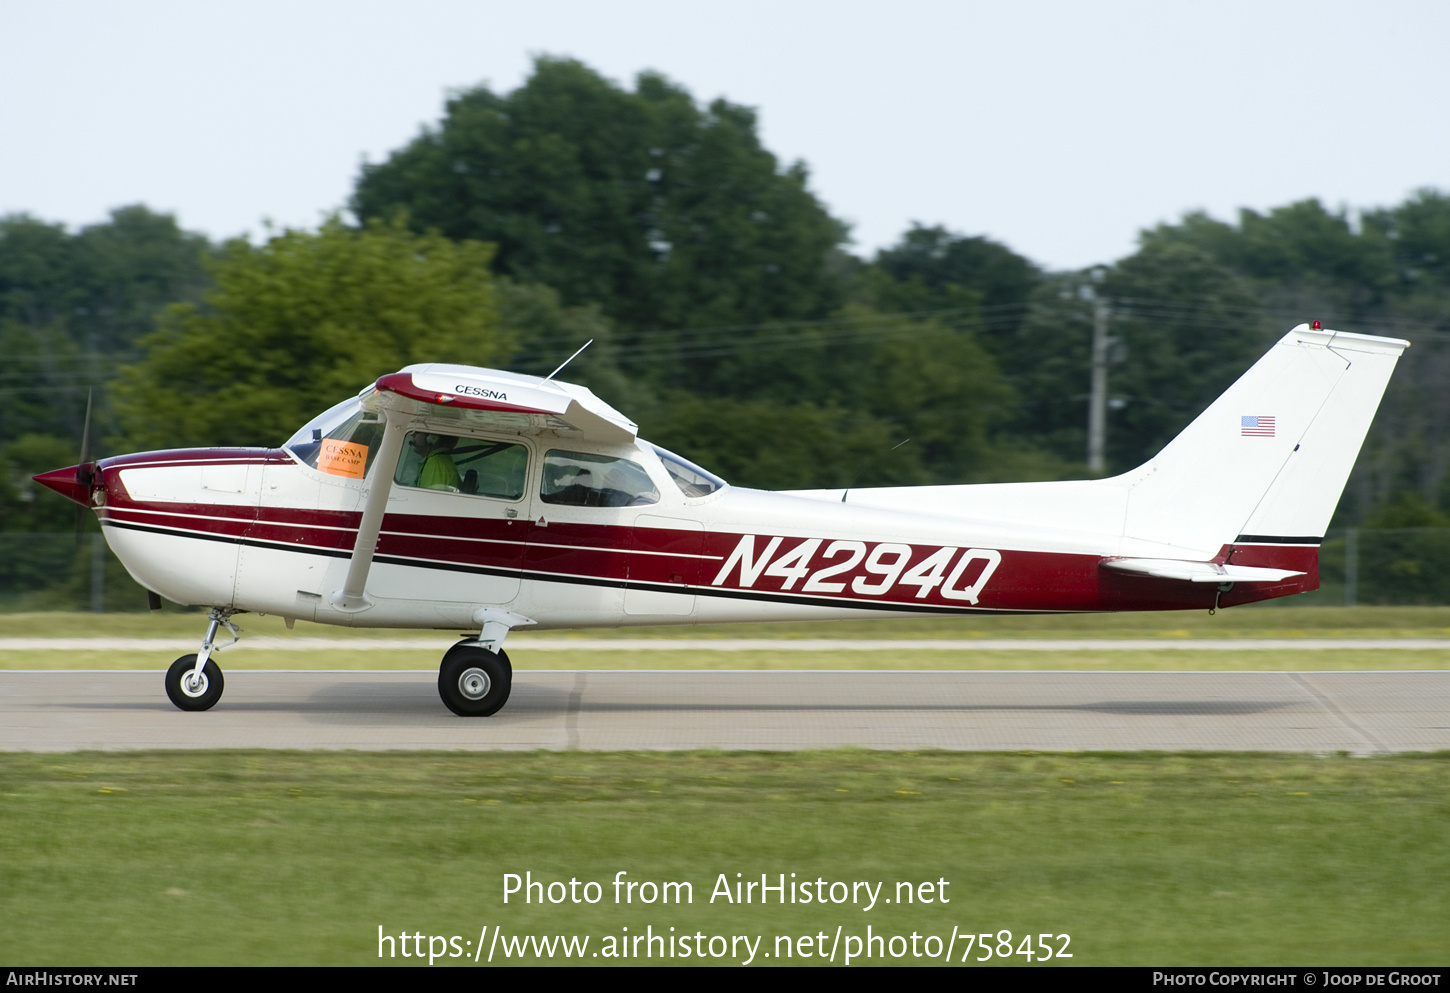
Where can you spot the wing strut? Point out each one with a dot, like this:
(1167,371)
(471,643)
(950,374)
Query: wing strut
(353,596)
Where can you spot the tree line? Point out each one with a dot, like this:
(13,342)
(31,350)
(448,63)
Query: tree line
(729,316)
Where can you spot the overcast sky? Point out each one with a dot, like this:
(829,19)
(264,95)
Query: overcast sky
(1060,129)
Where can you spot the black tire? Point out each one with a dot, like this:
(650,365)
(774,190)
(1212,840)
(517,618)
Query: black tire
(471,644)
(473,681)
(209,692)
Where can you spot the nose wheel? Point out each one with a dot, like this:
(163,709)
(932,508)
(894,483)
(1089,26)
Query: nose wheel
(473,681)
(192,690)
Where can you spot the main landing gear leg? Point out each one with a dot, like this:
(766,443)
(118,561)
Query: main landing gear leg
(475,676)
(194,682)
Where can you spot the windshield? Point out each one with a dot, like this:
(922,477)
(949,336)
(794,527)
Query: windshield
(690,478)
(341,441)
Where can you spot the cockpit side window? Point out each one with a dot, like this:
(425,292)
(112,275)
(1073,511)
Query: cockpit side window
(576,479)
(474,466)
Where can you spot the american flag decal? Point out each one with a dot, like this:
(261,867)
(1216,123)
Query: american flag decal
(1257,426)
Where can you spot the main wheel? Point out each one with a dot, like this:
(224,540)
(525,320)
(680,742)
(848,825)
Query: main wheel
(473,681)
(188,695)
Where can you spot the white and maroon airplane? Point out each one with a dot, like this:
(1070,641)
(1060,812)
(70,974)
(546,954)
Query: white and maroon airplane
(447,496)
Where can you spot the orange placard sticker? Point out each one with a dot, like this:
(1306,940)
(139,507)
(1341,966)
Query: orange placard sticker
(343,458)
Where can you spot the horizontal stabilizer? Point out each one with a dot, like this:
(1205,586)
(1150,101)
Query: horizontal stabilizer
(1198,572)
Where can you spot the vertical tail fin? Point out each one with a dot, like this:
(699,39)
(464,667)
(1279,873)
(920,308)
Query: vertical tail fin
(1270,457)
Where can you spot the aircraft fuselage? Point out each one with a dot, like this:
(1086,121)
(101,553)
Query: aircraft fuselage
(257,530)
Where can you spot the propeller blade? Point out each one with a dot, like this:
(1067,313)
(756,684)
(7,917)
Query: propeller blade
(85,466)
(85,473)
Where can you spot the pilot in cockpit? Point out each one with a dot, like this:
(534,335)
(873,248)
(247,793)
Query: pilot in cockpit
(437,471)
(571,485)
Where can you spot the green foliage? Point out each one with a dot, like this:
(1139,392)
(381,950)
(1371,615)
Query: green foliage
(931,269)
(1404,566)
(1408,510)
(665,214)
(70,304)
(1407,565)
(1402,553)
(1186,330)
(25,505)
(1183,329)
(43,564)
(547,333)
(104,284)
(1300,245)
(302,321)
(39,278)
(135,265)
(773,444)
(44,383)
(56,572)
(942,389)
(1395,249)
(828,404)
(1419,232)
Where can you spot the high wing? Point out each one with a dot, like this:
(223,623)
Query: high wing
(501,398)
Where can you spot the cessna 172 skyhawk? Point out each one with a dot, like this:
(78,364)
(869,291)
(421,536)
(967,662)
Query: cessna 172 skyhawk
(447,496)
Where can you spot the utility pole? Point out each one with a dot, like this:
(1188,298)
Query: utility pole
(1098,398)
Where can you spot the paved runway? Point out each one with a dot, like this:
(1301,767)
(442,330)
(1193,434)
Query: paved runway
(1359,712)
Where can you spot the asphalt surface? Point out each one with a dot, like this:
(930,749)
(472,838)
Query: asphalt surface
(1357,712)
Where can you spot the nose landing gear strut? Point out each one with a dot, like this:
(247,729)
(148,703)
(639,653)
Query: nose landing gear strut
(194,682)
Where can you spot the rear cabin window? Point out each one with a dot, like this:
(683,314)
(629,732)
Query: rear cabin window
(433,461)
(576,479)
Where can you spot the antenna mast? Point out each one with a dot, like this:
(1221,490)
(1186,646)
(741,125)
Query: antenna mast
(566,362)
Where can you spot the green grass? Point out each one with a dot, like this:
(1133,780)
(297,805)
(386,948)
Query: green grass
(1240,622)
(1284,623)
(287,858)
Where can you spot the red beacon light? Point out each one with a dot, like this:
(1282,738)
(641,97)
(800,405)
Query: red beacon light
(1315,325)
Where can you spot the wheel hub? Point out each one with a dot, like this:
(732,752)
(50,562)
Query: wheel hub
(474,683)
(194,684)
